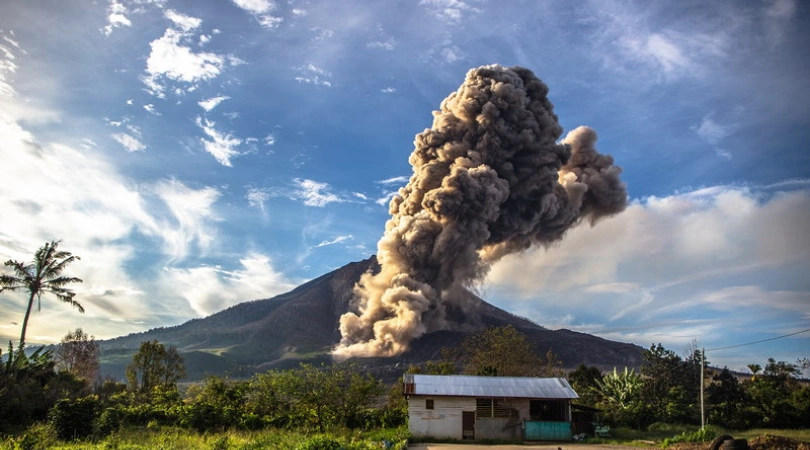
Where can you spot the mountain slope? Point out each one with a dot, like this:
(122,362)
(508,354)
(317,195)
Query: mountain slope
(302,326)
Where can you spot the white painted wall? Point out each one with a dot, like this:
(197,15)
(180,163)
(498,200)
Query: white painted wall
(443,421)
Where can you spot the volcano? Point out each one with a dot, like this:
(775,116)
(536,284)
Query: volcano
(301,326)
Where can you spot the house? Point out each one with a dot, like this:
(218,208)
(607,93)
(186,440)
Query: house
(474,407)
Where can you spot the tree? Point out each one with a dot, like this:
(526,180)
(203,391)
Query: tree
(78,354)
(620,392)
(585,380)
(726,398)
(42,275)
(671,390)
(329,395)
(504,352)
(154,365)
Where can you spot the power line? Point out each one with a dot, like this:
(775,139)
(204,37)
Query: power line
(757,342)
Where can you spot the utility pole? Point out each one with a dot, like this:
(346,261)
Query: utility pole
(702,366)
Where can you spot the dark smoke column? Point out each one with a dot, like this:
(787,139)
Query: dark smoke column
(489,178)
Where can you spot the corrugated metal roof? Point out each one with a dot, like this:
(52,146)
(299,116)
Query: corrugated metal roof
(503,387)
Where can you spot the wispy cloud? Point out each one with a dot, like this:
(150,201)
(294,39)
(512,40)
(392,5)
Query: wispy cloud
(334,241)
(313,193)
(131,143)
(257,198)
(260,10)
(713,132)
(209,289)
(222,146)
(451,11)
(312,74)
(212,102)
(192,212)
(401,180)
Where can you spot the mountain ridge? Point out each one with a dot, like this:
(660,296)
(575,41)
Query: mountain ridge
(302,326)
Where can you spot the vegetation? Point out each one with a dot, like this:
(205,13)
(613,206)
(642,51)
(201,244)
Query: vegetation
(78,355)
(667,390)
(56,399)
(43,275)
(506,352)
(155,366)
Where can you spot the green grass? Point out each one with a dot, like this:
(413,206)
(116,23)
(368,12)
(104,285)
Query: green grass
(40,437)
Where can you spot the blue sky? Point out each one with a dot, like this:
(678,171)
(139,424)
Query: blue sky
(197,154)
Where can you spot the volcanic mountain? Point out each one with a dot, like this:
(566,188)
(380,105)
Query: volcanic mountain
(302,326)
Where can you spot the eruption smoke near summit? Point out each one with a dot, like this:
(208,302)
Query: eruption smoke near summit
(489,178)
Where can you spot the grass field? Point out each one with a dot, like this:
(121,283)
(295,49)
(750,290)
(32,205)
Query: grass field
(41,437)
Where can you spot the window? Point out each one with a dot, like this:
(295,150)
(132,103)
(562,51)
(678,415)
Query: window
(494,407)
(429,403)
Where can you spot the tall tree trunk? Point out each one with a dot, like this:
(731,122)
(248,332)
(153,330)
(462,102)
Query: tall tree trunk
(25,321)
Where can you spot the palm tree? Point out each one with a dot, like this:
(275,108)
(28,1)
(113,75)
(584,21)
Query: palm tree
(42,275)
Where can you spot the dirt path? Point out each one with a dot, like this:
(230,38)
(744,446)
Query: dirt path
(566,446)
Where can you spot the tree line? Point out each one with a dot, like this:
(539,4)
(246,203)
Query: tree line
(65,389)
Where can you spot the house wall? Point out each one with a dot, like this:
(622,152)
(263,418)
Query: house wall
(503,428)
(443,421)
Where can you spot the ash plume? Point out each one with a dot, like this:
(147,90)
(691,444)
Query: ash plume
(489,178)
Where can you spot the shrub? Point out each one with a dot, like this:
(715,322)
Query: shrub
(37,436)
(73,419)
(703,435)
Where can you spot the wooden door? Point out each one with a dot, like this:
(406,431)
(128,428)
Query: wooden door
(468,424)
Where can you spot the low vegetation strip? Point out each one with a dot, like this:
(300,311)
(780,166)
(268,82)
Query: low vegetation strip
(43,437)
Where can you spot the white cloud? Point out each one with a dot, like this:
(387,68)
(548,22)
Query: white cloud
(337,240)
(7,67)
(211,289)
(268,21)
(255,6)
(257,197)
(386,198)
(388,90)
(633,43)
(312,74)
(171,60)
(92,209)
(713,132)
(150,108)
(192,212)
(401,180)
(722,252)
(388,44)
(212,103)
(314,193)
(270,139)
(116,18)
(259,10)
(451,54)
(451,11)
(184,22)
(222,146)
(129,142)
(777,15)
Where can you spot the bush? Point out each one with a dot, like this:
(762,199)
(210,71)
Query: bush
(703,435)
(35,437)
(73,419)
